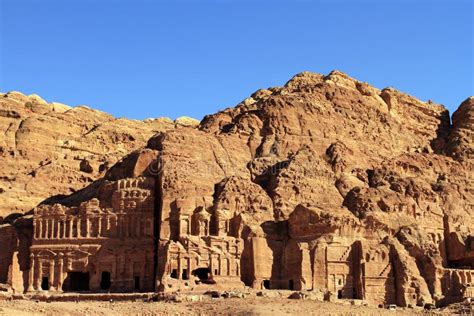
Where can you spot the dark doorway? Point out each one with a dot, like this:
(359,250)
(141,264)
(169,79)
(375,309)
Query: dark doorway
(339,294)
(291,285)
(45,283)
(185,275)
(105,280)
(174,273)
(137,283)
(266,284)
(202,273)
(78,281)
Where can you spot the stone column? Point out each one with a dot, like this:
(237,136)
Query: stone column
(78,227)
(60,271)
(64,228)
(46,235)
(219,262)
(107,226)
(70,222)
(87,227)
(99,225)
(31,273)
(51,228)
(51,275)
(107,222)
(54,228)
(40,274)
(40,228)
(211,264)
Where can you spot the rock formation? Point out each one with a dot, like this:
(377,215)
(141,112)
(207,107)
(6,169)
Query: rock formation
(52,149)
(325,183)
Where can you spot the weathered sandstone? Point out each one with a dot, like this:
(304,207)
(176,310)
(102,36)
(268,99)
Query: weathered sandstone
(52,149)
(323,184)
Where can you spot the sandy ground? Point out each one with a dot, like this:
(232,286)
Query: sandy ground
(221,306)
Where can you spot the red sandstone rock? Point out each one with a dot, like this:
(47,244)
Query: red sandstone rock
(323,184)
(50,148)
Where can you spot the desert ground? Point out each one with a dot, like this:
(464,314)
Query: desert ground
(211,306)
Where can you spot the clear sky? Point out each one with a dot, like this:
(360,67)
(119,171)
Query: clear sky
(142,59)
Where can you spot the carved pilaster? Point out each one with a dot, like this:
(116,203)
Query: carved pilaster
(46,235)
(40,228)
(52,273)
(57,224)
(60,271)
(78,227)
(70,222)
(64,228)
(88,227)
(39,275)
(99,225)
(31,273)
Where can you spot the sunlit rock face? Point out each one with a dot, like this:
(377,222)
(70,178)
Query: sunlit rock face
(49,149)
(326,183)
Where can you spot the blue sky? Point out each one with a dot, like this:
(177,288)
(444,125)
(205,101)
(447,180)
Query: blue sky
(142,59)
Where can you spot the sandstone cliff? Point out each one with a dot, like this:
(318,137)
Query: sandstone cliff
(325,183)
(48,149)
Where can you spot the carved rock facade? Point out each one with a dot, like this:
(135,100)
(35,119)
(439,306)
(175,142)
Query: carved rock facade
(326,183)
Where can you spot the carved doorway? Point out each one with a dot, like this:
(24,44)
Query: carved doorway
(105,282)
(137,283)
(77,281)
(45,284)
(204,275)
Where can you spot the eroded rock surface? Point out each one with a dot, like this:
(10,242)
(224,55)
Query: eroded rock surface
(49,149)
(323,184)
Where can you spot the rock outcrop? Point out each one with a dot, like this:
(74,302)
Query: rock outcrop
(52,149)
(323,184)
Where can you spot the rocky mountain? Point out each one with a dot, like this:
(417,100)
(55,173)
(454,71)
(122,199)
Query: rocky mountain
(326,183)
(49,149)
